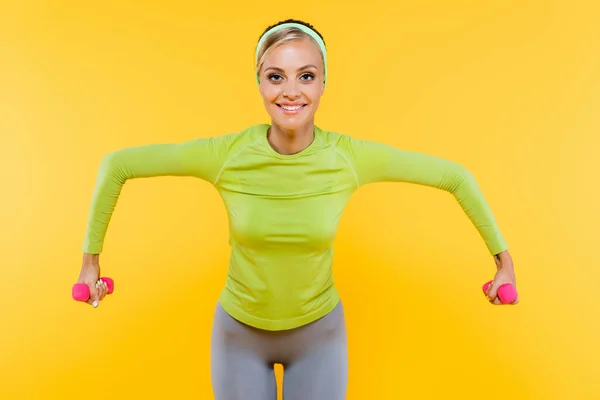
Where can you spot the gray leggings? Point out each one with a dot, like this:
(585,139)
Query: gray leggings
(314,357)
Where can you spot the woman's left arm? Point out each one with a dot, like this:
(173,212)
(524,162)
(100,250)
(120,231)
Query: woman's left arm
(378,162)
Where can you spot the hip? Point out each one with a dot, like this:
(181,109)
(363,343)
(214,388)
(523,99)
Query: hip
(279,346)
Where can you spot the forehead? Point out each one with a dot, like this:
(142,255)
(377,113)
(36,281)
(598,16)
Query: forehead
(293,53)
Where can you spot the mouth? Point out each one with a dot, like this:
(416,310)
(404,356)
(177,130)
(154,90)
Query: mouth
(291,108)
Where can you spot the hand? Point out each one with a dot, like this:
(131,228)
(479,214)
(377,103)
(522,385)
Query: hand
(89,275)
(505,274)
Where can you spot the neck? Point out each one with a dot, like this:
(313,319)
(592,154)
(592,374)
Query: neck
(290,141)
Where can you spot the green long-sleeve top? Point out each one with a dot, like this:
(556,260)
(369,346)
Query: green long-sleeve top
(283,210)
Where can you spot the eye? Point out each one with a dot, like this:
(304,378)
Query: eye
(307,76)
(273,77)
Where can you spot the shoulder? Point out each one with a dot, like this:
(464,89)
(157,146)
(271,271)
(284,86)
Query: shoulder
(347,143)
(339,140)
(232,142)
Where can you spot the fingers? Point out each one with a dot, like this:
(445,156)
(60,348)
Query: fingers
(102,289)
(94,295)
(98,291)
(492,291)
(496,300)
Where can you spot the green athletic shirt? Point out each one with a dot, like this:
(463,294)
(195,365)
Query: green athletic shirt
(283,210)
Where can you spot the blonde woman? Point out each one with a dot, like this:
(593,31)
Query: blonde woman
(285,185)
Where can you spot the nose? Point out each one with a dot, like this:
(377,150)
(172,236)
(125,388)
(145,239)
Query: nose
(291,90)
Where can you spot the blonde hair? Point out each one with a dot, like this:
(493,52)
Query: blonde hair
(279,37)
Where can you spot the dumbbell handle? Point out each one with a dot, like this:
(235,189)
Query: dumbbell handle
(81,291)
(507,293)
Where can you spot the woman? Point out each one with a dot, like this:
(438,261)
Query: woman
(285,186)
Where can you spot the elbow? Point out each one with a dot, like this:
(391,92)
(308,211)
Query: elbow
(109,162)
(458,177)
(466,173)
(111,168)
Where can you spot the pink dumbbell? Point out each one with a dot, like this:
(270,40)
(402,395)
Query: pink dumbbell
(506,293)
(81,291)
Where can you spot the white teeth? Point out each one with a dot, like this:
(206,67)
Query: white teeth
(288,108)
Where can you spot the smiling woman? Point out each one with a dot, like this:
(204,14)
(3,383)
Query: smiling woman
(291,70)
(285,186)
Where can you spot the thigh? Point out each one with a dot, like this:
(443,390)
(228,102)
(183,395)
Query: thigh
(238,370)
(320,372)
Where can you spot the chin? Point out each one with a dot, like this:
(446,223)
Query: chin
(291,121)
(288,125)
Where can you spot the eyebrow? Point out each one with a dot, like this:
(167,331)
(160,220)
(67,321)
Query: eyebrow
(299,69)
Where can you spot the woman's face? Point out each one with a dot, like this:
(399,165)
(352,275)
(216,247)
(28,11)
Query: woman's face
(291,83)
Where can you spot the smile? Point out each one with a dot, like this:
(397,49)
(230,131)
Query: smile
(291,109)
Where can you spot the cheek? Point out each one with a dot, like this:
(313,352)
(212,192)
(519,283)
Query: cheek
(269,93)
(314,94)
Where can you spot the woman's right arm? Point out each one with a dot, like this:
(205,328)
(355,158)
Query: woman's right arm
(201,158)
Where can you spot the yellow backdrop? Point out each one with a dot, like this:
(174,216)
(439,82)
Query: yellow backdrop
(509,89)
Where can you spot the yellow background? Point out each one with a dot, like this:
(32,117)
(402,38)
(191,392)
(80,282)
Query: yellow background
(510,89)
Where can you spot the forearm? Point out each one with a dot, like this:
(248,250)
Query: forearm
(465,189)
(91,259)
(504,260)
(110,179)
